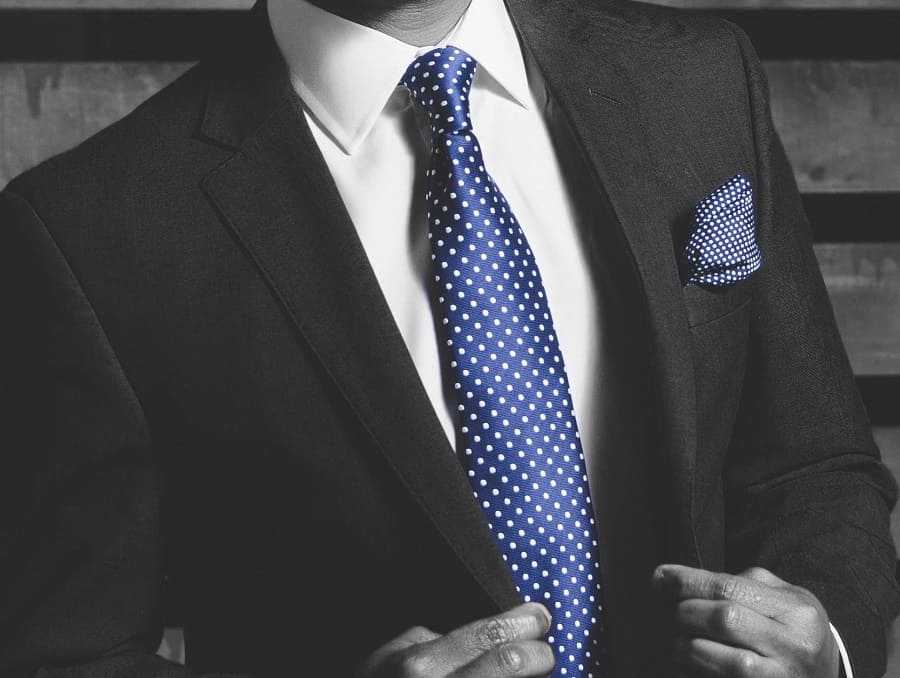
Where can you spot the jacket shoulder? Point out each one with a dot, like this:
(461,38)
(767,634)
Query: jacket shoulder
(661,25)
(678,42)
(145,143)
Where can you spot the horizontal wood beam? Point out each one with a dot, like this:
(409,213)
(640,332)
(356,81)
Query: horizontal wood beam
(713,5)
(115,35)
(126,4)
(853,217)
(245,4)
(863,282)
(881,396)
(857,34)
(90,34)
(47,108)
(840,122)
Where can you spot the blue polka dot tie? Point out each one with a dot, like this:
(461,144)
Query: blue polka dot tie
(522,451)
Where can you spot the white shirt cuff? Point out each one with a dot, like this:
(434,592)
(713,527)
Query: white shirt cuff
(845,659)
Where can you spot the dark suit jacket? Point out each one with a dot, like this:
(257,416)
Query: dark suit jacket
(206,397)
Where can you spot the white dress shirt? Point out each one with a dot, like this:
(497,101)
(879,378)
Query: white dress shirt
(376,143)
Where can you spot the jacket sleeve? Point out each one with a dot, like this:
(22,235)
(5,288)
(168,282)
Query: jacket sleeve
(807,495)
(80,533)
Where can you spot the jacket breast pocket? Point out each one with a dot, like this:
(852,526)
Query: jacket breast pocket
(705,304)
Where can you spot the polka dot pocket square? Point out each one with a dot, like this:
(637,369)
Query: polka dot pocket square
(722,248)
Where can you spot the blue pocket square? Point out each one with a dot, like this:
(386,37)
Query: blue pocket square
(722,247)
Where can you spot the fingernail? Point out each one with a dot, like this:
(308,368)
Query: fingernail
(547,614)
(544,612)
(659,574)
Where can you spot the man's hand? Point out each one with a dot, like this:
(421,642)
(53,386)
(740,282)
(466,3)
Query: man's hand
(751,625)
(508,644)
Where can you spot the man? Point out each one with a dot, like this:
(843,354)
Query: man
(234,377)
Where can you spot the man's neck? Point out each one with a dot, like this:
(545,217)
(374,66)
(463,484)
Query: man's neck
(415,22)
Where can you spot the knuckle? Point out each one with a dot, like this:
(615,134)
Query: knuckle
(495,632)
(417,633)
(726,588)
(807,615)
(747,664)
(758,573)
(800,592)
(729,618)
(808,650)
(412,664)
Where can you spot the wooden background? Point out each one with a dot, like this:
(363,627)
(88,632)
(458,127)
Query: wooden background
(70,67)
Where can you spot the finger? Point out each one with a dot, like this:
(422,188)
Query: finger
(703,658)
(521,658)
(763,576)
(467,643)
(730,624)
(681,583)
(413,636)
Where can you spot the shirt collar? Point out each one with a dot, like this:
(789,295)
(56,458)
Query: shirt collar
(345,72)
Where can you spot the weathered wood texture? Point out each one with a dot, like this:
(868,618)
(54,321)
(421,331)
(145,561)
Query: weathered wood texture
(840,121)
(48,108)
(126,4)
(863,281)
(242,4)
(778,4)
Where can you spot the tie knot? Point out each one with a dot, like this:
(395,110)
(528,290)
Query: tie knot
(440,81)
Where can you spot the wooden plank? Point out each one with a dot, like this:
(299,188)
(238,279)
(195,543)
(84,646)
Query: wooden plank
(243,4)
(164,32)
(863,282)
(130,5)
(881,397)
(865,216)
(48,108)
(777,4)
(117,35)
(840,121)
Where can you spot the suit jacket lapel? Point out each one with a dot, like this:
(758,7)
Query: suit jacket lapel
(582,51)
(277,196)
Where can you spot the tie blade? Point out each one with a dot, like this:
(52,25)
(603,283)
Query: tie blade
(522,452)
